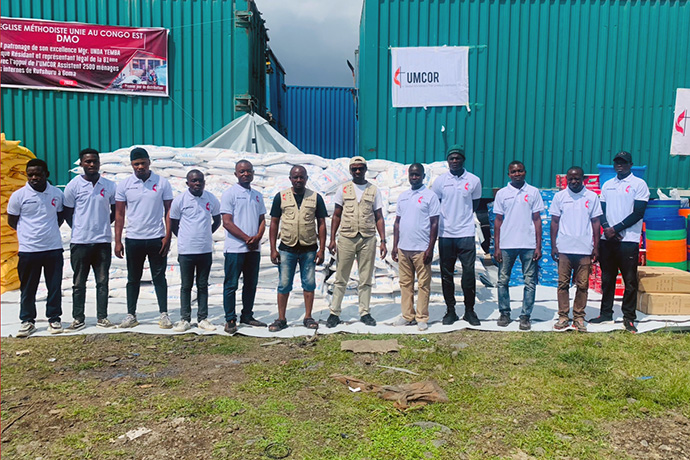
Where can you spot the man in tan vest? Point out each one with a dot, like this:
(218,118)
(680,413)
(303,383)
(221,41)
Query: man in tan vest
(359,216)
(298,212)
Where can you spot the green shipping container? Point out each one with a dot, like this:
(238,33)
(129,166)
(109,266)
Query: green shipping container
(553,83)
(216,69)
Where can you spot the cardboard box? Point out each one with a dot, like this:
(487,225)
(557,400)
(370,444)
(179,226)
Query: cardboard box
(653,303)
(663,279)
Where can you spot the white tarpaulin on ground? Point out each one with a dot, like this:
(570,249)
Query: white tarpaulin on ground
(432,76)
(680,139)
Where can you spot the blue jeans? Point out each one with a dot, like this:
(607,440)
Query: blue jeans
(529,272)
(29,270)
(188,264)
(247,264)
(137,251)
(286,269)
(83,258)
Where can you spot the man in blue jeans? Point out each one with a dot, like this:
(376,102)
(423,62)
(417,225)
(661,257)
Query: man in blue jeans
(243,213)
(517,206)
(146,197)
(89,210)
(35,211)
(301,215)
(194,216)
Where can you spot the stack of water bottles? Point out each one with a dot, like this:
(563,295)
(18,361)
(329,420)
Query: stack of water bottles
(548,269)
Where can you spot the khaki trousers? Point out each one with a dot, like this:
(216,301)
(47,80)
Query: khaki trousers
(567,265)
(409,263)
(363,250)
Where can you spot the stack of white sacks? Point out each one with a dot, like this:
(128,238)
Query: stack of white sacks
(271,172)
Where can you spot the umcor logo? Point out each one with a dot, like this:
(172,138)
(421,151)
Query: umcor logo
(415,78)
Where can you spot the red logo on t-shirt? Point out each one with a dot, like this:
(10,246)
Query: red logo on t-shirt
(155,187)
(587,204)
(208,206)
(53,201)
(345,189)
(526,198)
(102,192)
(627,189)
(257,198)
(420,200)
(467,186)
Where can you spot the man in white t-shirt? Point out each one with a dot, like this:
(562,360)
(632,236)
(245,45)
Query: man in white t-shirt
(243,212)
(35,211)
(459,192)
(623,201)
(358,216)
(413,248)
(194,216)
(517,206)
(146,198)
(89,210)
(575,231)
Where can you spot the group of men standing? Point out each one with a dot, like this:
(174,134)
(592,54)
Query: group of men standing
(445,212)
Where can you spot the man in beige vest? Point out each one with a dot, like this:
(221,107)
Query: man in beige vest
(298,212)
(359,216)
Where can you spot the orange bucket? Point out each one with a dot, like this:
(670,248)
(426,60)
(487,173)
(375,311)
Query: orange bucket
(672,251)
(685,212)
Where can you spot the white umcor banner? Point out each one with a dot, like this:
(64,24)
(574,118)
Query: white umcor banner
(680,139)
(433,76)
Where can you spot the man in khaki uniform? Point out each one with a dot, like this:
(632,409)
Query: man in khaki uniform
(359,216)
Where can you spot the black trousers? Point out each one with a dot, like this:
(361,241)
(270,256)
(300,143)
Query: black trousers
(29,269)
(614,256)
(450,249)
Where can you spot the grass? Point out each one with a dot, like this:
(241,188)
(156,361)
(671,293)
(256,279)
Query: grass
(545,395)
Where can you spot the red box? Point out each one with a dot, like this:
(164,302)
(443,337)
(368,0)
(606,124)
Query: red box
(591,182)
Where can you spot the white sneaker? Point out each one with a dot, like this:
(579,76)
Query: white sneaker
(181,326)
(164,321)
(422,326)
(104,323)
(26,329)
(207,325)
(129,321)
(403,322)
(55,327)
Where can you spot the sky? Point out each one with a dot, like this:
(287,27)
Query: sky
(313,39)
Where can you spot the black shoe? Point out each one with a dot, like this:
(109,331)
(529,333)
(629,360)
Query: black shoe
(525,324)
(230,327)
(504,320)
(368,320)
(629,325)
(601,319)
(450,317)
(471,317)
(252,322)
(333,320)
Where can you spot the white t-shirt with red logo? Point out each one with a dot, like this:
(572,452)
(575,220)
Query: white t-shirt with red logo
(91,204)
(247,208)
(620,196)
(576,211)
(195,214)
(37,228)
(145,209)
(415,208)
(517,207)
(456,195)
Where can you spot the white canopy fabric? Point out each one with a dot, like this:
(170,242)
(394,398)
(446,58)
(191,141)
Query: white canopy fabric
(250,133)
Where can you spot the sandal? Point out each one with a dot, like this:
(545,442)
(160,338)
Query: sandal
(309,323)
(278,325)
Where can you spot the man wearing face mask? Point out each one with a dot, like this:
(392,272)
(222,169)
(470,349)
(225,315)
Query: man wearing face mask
(517,207)
(145,197)
(459,191)
(623,201)
(194,216)
(35,211)
(358,214)
(575,233)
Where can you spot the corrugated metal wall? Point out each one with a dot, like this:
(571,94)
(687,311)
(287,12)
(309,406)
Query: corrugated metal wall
(555,83)
(216,52)
(276,92)
(321,120)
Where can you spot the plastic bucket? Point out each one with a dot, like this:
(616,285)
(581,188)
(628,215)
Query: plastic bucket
(661,209)
(671,223)
(667,242)
(607,172)
(669,251)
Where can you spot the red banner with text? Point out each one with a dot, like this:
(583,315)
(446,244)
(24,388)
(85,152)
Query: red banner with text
(74,56)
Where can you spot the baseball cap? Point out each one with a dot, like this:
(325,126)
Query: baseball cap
(358,160)
(457,148)
(138,153)
(623,156)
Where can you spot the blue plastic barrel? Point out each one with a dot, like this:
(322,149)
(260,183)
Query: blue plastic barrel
(607,172)
(671,223)
(661,209)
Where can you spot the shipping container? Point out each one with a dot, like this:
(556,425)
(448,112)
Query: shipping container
(554,83)
(276,90)
(216,73)
(321,120)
